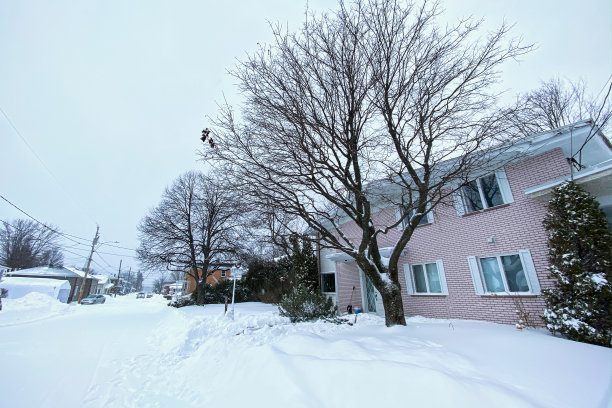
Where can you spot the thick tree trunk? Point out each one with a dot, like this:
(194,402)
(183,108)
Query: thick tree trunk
(200,293)
(394,307)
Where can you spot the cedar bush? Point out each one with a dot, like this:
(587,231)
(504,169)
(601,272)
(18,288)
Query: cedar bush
(303,304)
(580,257)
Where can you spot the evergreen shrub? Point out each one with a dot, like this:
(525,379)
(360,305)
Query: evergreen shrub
(579,306)
(303,304)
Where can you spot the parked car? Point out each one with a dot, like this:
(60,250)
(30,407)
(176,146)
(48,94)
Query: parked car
(149,295)
(93,299)
(140,295)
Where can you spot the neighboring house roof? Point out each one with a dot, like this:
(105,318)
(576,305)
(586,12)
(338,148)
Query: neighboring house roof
(45,271)
(219,265)
(81,273)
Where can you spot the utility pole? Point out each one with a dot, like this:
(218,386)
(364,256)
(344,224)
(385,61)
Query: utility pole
(118,278)
(93,247)
(129,280)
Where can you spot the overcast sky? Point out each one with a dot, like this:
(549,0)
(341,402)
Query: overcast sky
(112,95)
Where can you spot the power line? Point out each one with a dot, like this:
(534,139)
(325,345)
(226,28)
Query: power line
(23,139)
(104,260)
(117,246)
(40,222)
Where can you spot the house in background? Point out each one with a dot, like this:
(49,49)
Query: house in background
(486,248)
(217,272)
(20,287)
(73,276)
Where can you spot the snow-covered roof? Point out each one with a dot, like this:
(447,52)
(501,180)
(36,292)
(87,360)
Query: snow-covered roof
(81,273)
(35,282)
(45,271)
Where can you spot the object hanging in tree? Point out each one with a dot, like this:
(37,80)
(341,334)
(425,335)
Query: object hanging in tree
(205,135)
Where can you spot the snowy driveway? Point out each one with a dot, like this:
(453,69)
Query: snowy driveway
(140,353)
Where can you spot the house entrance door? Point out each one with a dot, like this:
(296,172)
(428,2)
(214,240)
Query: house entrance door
(371,297)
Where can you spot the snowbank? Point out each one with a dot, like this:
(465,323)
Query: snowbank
(140,353)
(30,308)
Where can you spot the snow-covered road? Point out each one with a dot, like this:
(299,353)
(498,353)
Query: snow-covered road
(141,353)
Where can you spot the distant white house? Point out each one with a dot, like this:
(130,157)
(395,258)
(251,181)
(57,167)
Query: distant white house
(72,275)
(104,284)
(19,287)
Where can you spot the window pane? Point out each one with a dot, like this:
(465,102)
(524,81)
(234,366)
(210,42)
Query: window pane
(423,220)
(419,279)
(472,197)
(492,276)
(491,191)
(515,276)
(328,282)
(433,278)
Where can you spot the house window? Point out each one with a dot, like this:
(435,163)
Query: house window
(512,273)
(426,278)
(427,218)
(328,282)
(482,193)
(223,274)
(504,273)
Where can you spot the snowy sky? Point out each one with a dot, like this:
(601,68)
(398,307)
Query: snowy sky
(112,95)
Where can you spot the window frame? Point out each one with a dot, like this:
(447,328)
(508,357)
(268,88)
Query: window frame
(335,283)
(401,212)
(411,286)
(503,275)
(483,199)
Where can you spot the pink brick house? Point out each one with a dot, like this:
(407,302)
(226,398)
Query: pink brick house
(473,257)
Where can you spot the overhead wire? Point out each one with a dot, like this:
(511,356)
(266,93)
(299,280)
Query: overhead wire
(67,236)
(71,237)
(23,139)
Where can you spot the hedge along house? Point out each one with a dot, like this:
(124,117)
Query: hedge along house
(485,249)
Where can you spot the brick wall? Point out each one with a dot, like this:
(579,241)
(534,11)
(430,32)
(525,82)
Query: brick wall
(452,238)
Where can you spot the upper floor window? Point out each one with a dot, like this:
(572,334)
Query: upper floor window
(223,274)
(426,219)
(484,192)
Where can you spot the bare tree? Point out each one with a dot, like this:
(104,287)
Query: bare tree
(558,103)
(26,244)
(194,224)
(372,106)
(158,284)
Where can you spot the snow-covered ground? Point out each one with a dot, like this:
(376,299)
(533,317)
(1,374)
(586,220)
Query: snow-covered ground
(140,353)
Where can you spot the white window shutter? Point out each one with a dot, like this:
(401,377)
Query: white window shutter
(407,275)
(504,186)
(530,271)
(478,287)
(458,203)
(442,277)
(398,216)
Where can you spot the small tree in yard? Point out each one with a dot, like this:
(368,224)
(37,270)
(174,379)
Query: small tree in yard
(580,253)
(268,280)
(303,304)
(359,110)
(304,263)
